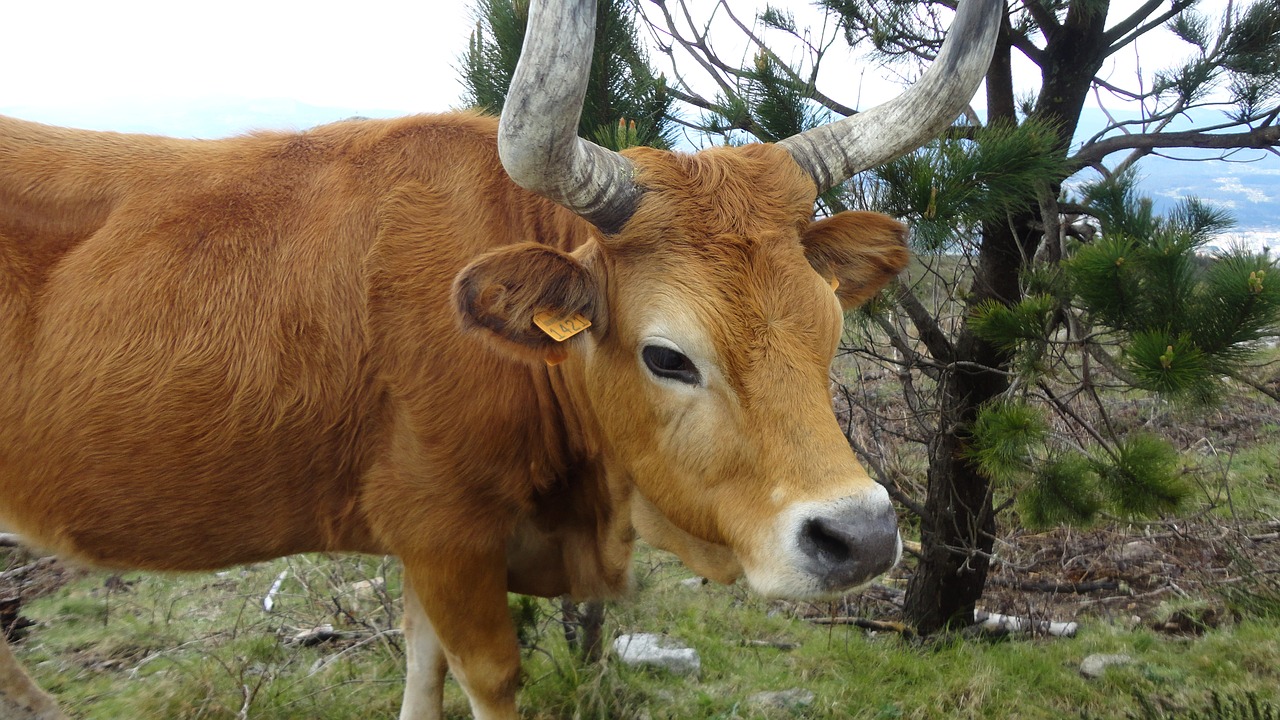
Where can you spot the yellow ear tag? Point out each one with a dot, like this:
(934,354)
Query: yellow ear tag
(561,328)
(835,284)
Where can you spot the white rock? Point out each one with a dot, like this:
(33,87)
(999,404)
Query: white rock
(693,582)
(1139,551)
(792,699)
(368,589)
(1095,666)
(660,651)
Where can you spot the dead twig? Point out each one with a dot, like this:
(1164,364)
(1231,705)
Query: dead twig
(1081,588)
(864,623)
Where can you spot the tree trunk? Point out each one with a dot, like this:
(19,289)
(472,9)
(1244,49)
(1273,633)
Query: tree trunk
(958,527)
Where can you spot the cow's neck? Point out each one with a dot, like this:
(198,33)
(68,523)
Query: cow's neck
(579,539)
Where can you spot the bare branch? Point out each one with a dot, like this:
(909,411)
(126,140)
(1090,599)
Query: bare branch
(1241,377)
(811,90)
(1127,26)
(1260,139)
(696,47)
(931,334)
(1043,16)
(1028,48)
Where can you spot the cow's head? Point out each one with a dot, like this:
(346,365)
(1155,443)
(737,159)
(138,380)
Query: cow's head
(715,306)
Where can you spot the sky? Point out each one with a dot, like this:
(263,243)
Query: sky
(196,69)
(99,62)
(125,63)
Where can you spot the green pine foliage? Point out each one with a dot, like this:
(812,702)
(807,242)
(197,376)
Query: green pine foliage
(1056,483)
(953,183)
(1022,329)
(1062,491)
(493,52)
(1181,324)
(1010,327)
(621,85)
(1003,439)
(780,106)
(1141,477)
(1185,321)
(1171,365)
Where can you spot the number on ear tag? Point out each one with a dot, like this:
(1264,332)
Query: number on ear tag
(561,328)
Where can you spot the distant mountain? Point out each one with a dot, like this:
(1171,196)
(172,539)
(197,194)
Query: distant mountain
(200,118)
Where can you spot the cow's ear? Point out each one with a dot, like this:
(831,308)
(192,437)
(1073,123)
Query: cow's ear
(859,252)
(511,295)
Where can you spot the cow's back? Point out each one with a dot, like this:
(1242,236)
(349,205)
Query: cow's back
(205,343)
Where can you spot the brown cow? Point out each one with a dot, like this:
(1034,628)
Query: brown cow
(217,352)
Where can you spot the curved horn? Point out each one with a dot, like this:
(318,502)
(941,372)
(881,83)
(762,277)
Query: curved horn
(538,133)
(832,153)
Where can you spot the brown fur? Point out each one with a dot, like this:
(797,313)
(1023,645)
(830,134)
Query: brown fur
(216,352)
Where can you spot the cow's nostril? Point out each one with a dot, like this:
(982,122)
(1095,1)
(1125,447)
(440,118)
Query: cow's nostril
(828,540)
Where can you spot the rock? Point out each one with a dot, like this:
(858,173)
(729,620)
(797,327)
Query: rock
(693,582)
(368,589)
(660,651)
(793,699)
(1139,551)
(1096,665)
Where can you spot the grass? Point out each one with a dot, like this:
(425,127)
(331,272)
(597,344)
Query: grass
(155,646)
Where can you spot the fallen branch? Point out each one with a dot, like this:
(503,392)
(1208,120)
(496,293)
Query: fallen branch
(1001,624)
(269,601)
(325,662)
(20,573)
(1082,588)
(876,625)
(10,540)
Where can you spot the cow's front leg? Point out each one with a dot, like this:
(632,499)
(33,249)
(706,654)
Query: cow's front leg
(464,599)
(426,665)
(20,697)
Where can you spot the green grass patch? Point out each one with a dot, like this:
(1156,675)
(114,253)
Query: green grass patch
(201,646)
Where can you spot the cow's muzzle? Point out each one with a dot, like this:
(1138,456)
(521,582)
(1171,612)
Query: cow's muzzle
(851,544)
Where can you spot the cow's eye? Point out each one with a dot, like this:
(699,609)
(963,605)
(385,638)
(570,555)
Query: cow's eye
(671,364)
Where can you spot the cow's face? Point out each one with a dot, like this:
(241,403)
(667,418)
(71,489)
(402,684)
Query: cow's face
(716,313)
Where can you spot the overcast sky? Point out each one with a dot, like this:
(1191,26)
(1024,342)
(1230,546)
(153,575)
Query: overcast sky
(79,56)
(190,68)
